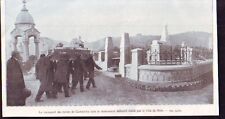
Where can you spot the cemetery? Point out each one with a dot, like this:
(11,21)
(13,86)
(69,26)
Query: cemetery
(163,67)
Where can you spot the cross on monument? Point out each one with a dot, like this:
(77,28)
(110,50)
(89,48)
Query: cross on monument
(24,2)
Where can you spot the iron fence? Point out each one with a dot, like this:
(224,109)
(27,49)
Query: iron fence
(176,55)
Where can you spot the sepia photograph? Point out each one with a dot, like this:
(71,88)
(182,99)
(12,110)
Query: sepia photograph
(99,54)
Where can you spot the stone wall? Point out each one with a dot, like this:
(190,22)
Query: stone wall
(173,73)
(170,73)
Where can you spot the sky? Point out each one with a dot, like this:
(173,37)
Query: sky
(64,20)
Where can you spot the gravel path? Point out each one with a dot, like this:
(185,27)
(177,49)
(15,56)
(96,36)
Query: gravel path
(112,91)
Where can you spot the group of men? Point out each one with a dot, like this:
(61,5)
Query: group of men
(54,75)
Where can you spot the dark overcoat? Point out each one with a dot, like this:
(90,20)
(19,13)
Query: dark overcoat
(50,74)
(42,68)
(15,84)
(79,68)
(37,69)
(62,71)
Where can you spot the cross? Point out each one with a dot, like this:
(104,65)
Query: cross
(24,2)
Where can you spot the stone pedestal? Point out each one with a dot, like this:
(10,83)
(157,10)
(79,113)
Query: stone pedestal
(125,55)
(137,60)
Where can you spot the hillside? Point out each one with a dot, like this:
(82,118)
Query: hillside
(190,38)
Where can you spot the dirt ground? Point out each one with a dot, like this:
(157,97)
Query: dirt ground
(111,91)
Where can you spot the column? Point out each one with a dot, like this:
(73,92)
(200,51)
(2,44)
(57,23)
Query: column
(137,60)
(125,55)
(37,49)
(26,45)
(108,52)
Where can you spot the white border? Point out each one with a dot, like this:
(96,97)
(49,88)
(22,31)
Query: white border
(168,110)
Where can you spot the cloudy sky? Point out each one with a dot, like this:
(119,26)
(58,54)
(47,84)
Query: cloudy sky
(94,19)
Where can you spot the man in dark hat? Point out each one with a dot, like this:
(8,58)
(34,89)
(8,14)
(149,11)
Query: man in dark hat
(90,63)
(15,82)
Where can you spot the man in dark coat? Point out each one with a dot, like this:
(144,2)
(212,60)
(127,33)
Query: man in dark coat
(50,76)
(90,63)
(61,75)
(37,67)
(42,68)
(50,73)
(78,73)
(15,82)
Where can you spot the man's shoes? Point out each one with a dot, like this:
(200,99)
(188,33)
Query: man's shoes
(94,87)
(87,88)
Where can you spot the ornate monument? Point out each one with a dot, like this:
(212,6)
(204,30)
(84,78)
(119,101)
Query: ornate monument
(25,28)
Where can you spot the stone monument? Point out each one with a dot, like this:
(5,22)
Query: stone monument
(25,28)
(108,52)
(125,53)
